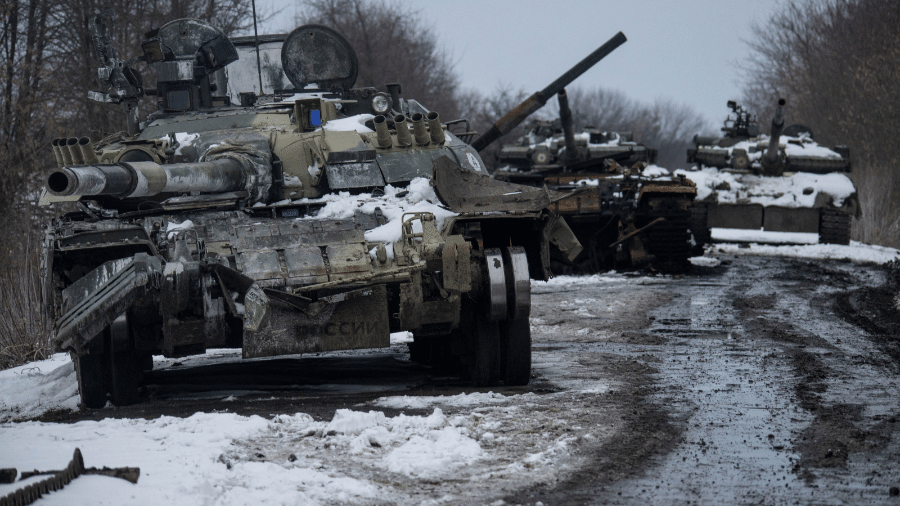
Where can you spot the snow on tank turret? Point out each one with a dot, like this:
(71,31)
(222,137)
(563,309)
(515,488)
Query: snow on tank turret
(781,182)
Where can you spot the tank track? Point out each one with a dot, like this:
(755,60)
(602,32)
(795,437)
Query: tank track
(834,226)
(34,491)
(670,241)
(59,479)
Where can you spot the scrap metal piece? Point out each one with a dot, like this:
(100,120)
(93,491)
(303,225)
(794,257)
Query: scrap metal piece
(464,191)
(61,478)
(255,305)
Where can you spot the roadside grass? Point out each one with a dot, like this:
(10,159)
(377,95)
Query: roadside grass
(24,329)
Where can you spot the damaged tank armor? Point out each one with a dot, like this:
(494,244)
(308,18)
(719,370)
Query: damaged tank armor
(283,212)
(626,212)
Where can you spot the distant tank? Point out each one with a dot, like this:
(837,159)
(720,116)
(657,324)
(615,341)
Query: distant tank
(781,182)
(279,210)
(626,212)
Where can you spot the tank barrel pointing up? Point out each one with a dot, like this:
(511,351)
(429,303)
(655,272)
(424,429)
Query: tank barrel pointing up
(775,132)
(565,117)
(531,104)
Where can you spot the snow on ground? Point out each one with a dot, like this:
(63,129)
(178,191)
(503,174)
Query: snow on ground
(360,456)
(30,390)
(856,251)
(762,236)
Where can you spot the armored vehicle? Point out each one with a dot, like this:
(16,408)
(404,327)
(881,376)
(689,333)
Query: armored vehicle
(783,182)
(625,211)
(299,215)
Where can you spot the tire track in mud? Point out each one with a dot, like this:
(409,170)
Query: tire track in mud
(832,436)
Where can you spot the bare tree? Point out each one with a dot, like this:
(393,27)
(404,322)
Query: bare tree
(837,62)
(393,44)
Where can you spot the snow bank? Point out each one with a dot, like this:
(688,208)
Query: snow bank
(799,190)
(459,400)
(611,277)
(30,390)
(762,236)
(856,251)
(224,458)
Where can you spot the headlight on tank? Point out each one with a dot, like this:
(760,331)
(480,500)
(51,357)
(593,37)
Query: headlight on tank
(381,103)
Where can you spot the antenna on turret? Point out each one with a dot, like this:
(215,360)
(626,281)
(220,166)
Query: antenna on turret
(256,36)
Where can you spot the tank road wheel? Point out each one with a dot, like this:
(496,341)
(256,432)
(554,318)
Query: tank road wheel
(123,364)
(90,370)
(484,321)
(834,226)
(486,369)
(515,331)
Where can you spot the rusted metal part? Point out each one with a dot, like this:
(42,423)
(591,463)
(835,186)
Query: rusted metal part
(632,233)
(560,235)
(61,478)
(464,191)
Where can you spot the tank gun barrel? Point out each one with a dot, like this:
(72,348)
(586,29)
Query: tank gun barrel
(565,117)
(145,179)
(531,104)
(775,132)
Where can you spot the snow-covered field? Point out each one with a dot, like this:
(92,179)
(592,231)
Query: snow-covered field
(474,443)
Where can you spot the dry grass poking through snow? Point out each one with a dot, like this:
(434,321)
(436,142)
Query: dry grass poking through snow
(24,331)
(880,220)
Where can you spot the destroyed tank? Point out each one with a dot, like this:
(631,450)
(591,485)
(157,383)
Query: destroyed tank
(625,211)
(781,182)
(277,209)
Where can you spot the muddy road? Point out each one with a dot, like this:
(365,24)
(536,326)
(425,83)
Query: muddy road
(757,381)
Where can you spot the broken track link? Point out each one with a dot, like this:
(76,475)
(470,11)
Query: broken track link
(59,479)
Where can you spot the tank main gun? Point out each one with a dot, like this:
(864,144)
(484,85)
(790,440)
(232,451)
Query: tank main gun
(146,179)
(531,104)
(565,118)
(775,132)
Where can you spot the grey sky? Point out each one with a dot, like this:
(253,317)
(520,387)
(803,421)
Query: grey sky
(686,50)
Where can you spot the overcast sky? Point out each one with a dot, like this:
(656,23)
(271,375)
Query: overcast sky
(687,50)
